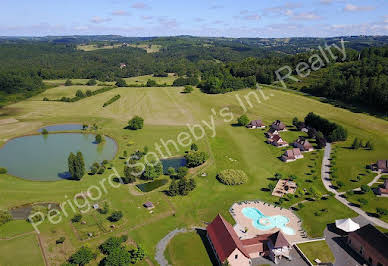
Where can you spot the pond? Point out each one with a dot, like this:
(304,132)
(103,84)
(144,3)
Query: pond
(62,127)
(44,157)
(173,162)
(149,186)
(22,212)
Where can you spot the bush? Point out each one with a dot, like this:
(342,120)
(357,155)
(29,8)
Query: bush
(194,147)
(77,218)
(121,83)
(83,256)
(232,177)
(60,240)
(381,212)
(112,243)
(99,139)
(362,201)
(44,131)
(5,217)
(46,99)
(111,100)
(91,82)
(136,123)
(188,89)
(243,120)
(116,216)
(365,188)
(195,158)
(68,82)
(89,93)
(151,83)
(3,170)
(79,94)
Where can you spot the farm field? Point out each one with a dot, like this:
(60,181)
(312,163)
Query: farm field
(167,112)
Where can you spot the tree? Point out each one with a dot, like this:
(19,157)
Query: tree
(88,93)
(44,131)
(116,216)
(99,139)
(194,147)
(137,254)
(188,89)
(83,256)
(152,171)
(121,83)
(5,217)
(271,186)
(79,94)
(171,172)
(118,256)
(365,188)
(46,99)
(136,123)
(182,172)
(151,83)
(243,120)
(111,244)
(340,184)
(60,240)
(77,218)
(68,82)
(76,165)
(355,144)
(91,82)
(295,121)
(362,201)
(381,212)
(173,189)
(195,158)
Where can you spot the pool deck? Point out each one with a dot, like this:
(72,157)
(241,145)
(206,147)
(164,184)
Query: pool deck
(243,222)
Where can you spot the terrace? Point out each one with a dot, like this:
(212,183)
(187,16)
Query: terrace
(284,187)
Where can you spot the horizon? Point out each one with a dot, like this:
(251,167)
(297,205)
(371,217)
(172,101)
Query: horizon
(229,19)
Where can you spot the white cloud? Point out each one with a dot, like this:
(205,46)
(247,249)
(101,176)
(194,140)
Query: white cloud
(120,13)
(98,20)
(305,16)
(353,8)
(140,5)
(252,17)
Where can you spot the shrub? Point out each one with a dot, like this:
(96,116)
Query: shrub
(365,188)
(194,147)
(362,201)
(77,218)
(79,94)
(195,158)
(5,217)
(68,82)
(381,212)
(151,83)
(60,240)
(136,123)
(111,100)
(91,82)
(232,177)
(188,89)
(44,131)
(243,120)
(83,256)
(112,243)
(116,216)
(46,99)
(89,93)
(121,83)
(3,170)
(99,139)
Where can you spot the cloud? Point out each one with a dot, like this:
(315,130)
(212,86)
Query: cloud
(282,9)
(140,5)
(146,17)
(81,28)
(199,20)
(168,22)
(385,19)
(120,13)
(216,7)
(251,17)
(354,8)
(304,16)
(98,20)
(217,22)
(243,12)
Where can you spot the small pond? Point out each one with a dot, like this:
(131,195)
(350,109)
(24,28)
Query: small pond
(63,127)
(44,157)
(173,162)
(149,186)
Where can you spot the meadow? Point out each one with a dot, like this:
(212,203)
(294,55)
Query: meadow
(167,111)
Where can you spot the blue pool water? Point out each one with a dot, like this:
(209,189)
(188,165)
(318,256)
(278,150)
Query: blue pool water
(262,222)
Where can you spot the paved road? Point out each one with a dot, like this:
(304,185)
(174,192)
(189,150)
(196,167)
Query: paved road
(325,176)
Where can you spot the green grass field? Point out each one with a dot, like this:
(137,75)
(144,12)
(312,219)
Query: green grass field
(23,250)
(193,251)
(167,112)
(317,250)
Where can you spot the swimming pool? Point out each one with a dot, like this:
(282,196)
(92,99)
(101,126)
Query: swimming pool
(262,222)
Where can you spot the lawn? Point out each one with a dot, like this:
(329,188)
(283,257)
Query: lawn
(193,251)
(373,202)
(142,80)
(167,112)
(23,250)
(58,92)
(317,250)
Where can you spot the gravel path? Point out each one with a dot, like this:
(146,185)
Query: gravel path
(325,176)
(161,246)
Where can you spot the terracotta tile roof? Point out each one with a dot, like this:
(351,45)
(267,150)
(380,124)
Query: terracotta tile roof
(224,238)
(278,240)
(372,236)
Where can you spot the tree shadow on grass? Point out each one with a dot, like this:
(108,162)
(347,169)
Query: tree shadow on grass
(202,233)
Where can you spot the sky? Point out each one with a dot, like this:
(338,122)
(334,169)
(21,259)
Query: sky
(228,18)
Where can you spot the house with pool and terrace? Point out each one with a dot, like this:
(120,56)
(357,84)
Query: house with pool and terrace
(261,230)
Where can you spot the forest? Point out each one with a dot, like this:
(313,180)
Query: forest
(216,65)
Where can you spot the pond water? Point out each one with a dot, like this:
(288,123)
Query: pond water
(173,162)
(149,186)
(44,157)
(63,127)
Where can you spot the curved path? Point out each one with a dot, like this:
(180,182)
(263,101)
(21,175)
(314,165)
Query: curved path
(325,176)
(161,246)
